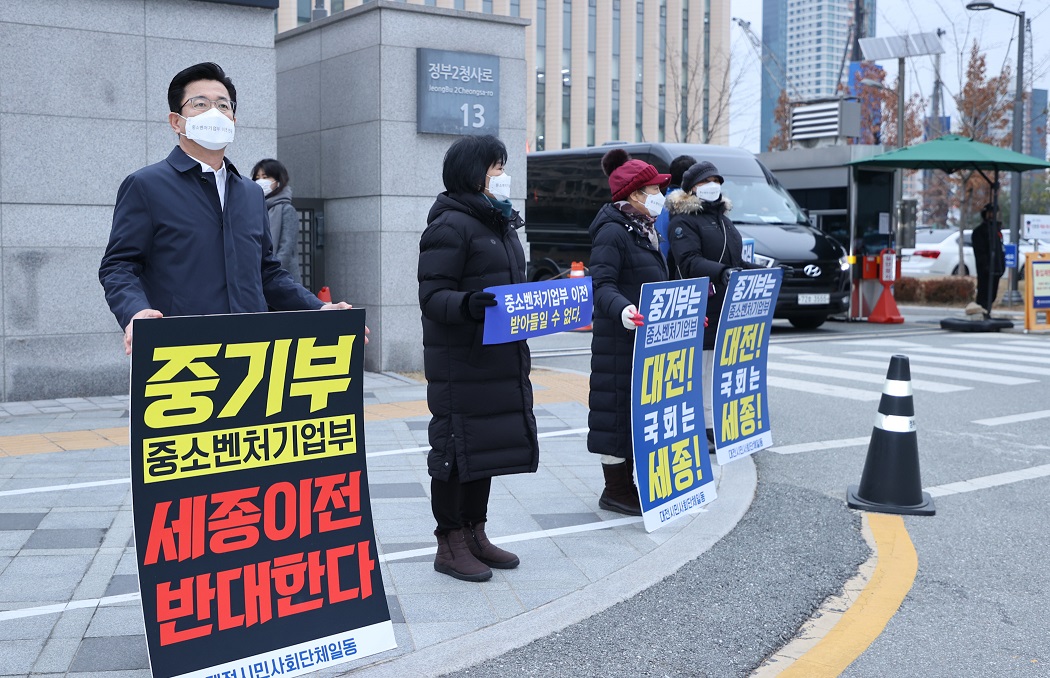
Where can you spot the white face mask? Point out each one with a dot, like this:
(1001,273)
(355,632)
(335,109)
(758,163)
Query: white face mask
(266,185)
(654,203)
(210,129)
(499,186)
(710,192)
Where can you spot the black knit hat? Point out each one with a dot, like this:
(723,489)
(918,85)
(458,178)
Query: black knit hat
(699,172)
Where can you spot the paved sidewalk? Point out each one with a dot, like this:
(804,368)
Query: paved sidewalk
(69,591)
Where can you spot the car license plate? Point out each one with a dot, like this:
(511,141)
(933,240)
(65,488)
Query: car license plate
(813,299)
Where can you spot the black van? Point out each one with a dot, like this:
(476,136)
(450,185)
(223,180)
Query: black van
(567,188)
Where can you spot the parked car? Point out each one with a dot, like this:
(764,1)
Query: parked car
(936,252)
(566,188)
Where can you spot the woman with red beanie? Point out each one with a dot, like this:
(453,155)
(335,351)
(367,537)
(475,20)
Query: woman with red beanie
(625,253)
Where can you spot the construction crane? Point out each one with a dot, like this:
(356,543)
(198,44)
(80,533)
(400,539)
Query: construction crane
(765,56)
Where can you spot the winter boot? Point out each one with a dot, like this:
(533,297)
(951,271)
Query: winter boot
(620,493)
(485,551)
(454,558)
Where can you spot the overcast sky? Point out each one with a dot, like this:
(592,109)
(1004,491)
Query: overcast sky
(995,32)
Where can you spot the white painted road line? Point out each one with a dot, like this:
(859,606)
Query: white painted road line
(995,480)
(71,605)
(409,450)
(1013,418)
(866,377)
(1007,350)
(919,369)
(817,388)
(987,355)
(822,445)
(526,536)
(60,488)
(984,364)
(386,557)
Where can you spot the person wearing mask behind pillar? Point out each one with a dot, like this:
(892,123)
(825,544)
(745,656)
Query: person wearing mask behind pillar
(704,242)
(479,395)
(678,167)
(625,253)
(989,255)
(272,177)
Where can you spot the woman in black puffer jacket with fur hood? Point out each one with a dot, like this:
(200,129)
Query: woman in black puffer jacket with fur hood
(625,253)
(705,243)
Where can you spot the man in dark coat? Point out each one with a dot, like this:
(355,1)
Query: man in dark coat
(989,256)
(625,253)
(705,243)
(190,235)
(479,395)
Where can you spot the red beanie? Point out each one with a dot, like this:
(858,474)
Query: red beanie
(627,175)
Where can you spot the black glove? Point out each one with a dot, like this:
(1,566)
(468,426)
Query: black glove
(477,302)
(726,272)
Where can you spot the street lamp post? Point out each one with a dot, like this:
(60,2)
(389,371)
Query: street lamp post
(898,176)
(1012,295)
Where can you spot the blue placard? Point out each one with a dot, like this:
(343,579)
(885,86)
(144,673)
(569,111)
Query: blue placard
(748,251)
(667,409)
(1011,255)
(535,309)
(738,384)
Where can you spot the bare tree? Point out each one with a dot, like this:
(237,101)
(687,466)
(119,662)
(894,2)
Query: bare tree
(684,97)
(781,141)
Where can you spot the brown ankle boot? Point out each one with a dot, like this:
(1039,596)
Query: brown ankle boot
(454,558)
(620,494)
(485,551)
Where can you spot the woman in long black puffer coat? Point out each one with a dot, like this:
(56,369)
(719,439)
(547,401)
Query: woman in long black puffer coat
(625,253)
(479,395)
(705,243)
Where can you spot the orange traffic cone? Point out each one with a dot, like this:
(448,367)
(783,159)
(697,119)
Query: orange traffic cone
(576,271)
(325,295)
(890,482)
(886,310)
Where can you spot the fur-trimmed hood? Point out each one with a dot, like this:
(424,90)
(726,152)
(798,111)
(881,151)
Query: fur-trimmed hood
(680,202)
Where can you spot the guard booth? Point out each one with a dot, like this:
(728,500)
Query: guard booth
(853,205)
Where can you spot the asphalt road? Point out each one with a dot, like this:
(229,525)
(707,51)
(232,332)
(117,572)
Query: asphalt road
(977,606)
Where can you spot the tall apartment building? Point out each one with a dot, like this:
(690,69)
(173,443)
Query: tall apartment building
(602,70)
(808,47)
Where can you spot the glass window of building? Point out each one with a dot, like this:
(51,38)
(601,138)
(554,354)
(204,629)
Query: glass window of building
(566,73)
(592,47)
(639,45)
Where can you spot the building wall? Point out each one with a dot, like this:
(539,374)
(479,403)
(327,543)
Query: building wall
(1035,114)
(83,103)
(579,53)
(346,117)
(774,41)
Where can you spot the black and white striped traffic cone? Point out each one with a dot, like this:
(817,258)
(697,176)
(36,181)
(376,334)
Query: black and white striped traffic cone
(890,482)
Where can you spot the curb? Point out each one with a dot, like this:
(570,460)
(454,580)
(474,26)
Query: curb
(736,491)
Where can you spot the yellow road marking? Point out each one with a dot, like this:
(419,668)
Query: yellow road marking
(555,387)
(863,622)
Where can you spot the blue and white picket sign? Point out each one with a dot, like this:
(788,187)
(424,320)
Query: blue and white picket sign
(1010,252)
(534,309)
(748,251)
(738,384)
(667,408)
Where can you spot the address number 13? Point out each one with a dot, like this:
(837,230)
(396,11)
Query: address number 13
(478,114)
